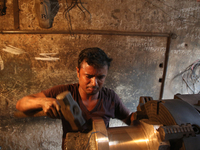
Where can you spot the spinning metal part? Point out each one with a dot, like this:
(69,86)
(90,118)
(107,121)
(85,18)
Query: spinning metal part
(172,125)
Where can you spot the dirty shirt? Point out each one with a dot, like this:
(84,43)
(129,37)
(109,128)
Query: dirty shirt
(108,106)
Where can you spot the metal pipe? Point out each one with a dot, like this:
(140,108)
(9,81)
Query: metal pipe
(165,66)
(100,32)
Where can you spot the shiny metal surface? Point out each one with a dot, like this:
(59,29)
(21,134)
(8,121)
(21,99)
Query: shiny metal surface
(127,138)
(141,136)
(145,136)
(101,134)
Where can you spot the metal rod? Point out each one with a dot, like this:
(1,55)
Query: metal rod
(100,32)
(165,66)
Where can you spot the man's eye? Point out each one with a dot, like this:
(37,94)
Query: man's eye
(89,77)
(101,77)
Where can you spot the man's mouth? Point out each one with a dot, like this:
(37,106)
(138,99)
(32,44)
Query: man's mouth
(92,88)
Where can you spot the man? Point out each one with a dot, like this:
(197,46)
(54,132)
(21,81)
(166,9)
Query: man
(93,99)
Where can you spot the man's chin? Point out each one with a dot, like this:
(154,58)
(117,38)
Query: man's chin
(92,92)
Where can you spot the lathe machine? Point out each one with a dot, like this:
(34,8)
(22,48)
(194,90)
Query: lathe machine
(172,124)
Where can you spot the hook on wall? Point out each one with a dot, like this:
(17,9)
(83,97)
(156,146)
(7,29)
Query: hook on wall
(76,3)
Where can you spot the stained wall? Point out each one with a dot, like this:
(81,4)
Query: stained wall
(30,63)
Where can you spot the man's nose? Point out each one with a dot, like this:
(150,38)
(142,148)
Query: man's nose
(94,81)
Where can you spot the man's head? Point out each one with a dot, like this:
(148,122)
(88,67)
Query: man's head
(92,70)
(94,57)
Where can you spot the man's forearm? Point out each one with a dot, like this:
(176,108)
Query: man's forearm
(50,106)
(29,103)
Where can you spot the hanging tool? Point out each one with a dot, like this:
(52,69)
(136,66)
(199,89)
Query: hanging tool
(73,4)
(43,13)
(76,3)
(2,7)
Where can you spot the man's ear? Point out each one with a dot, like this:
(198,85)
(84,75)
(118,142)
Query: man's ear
(77,71)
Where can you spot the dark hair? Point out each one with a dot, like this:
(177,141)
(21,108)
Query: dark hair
(94,57)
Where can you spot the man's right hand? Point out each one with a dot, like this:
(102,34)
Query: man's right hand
(51,108)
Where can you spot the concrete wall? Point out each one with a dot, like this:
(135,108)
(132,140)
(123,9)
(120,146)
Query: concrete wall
(134,71)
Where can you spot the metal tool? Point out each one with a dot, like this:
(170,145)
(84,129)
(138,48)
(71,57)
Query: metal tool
(73,4)
(44,13)
(69,108)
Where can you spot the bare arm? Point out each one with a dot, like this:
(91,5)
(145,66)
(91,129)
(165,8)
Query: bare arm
(129,120)
(39,101)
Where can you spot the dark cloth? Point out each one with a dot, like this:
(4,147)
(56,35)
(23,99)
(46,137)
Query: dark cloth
(108,106)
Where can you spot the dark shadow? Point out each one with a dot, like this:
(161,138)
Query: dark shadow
(54,8)
(3,7)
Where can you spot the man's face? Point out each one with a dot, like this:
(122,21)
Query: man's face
(91,79)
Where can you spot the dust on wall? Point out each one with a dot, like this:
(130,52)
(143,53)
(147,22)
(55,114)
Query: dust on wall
(30,63)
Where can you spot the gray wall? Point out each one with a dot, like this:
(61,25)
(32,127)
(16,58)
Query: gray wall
(134,71)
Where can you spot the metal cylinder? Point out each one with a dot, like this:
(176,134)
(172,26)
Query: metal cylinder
(127,138)
(141,136)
